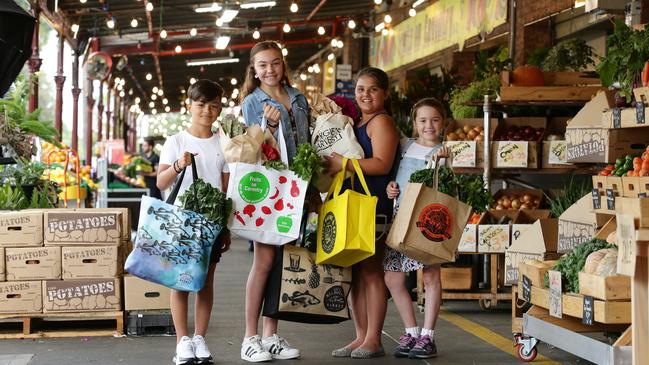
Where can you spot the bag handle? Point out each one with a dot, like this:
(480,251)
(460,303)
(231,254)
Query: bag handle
(281,142)
(361,177)
(337,184)
(174,192)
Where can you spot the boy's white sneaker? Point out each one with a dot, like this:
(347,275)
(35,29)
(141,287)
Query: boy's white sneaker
(201,352)
(184,352)
(279,348)
(252,351)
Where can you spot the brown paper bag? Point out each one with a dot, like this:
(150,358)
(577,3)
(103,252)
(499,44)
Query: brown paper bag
(428,225)
(320,105)
(243,148)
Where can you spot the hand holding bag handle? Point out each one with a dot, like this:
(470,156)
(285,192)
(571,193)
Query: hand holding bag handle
(338,182)
(174,192)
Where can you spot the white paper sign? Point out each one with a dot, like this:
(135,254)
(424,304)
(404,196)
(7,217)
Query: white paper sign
(557,155)
(463,152)
(626,244)
(511,153)
(555,293)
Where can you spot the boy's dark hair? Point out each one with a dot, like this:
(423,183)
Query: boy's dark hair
(205,91)
(149,141)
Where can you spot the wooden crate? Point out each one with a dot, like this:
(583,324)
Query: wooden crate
(638,207)
(535,271)
(608,312)
(560,86)
(457,277)
(635,185)
(640,293)
(53,325)
(617,287)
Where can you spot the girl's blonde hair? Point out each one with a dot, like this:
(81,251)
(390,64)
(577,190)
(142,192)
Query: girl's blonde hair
(433,103)
(251,82)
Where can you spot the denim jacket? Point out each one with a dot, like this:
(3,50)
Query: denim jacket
(253,111)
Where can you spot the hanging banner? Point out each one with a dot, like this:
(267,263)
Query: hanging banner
(441,25)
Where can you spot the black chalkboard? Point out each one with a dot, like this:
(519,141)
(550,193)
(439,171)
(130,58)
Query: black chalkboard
(639,112)
(610,199)
(617,118)
(642,195)
(597,202)
(588,314)
(527,289)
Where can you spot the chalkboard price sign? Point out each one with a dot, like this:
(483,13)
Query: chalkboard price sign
(617,118)
(588,314)
(610,199)
(527,289)
(597,201)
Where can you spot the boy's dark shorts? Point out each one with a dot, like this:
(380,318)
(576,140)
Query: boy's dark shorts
(215,256)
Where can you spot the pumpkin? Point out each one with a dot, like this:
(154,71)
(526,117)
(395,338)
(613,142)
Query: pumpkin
(527,76)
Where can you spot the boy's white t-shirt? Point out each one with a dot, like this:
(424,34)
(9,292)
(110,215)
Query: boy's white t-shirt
(210,162)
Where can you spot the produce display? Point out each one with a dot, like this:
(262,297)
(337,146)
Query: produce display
(629,165)
(130,171)
(520,133)
(57,173)
(573,262)
(602,262)
(466,133)
(570,194)
(517,202)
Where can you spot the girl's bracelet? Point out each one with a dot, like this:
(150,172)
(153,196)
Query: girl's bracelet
(177,168)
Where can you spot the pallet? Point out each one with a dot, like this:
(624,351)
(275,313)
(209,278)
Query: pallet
(150,323)
(55,325)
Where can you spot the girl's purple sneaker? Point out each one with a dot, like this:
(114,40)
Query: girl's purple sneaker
(424,348)
(406,343)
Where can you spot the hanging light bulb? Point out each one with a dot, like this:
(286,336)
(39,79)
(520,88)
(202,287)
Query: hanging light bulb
(256,34)
(378,2)
(233,81)
(310,69)
(178,49)
(294,7)
(334,43)
(161,92)
(165,101)
(134,23)
(149,77)
(110,23)
(231,103)
(284,52)
(303,77)
(224,100)
(219,22)
(351,24)
(167,109)
(154,112)
(163,34)
(149,6)
(83,1)
(154,97)
(183,110)
(74,28)
(321,30)
(155,90)
(192,81)
(137,100)
(412,12)
(286,28)
(387,19)
(331,56)
(384,31)
(340,44)
(151,104)
(193,32)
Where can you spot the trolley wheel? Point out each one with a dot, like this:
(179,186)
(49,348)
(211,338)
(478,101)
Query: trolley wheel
(526,357)
(485,304)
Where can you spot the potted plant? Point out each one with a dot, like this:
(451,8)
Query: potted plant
(569,55)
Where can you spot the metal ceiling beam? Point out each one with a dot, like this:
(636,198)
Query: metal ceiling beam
(315,10)
(60,23)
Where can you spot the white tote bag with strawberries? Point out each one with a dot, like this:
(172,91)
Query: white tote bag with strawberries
(267,203)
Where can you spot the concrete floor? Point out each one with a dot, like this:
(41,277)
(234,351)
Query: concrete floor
(464,334)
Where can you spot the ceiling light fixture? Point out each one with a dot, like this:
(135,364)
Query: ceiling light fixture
(228,15)
(192,81)
(165,101)
(233,81)
(378,2)
(286,28)
(155,90)
(149,6)
(321,30)
(303,77)
(379,27)
(154,112)
(193,32)
(351,24)
(340,44)
(256,34)
(284,52)
(178,49)
(294,7)
(167,109)
(74,28)
(134,23)
(334,43)
(219,22)
(154,96)
(417,3)
(151,104)
(163,34)
(161,92)
(214,7)
(310,69)
(387,19)
(83,1)
(255,5)
(222,42)
(149,77)
(412,12)
(331,56)
(110,23)
(137,100)
(210,61)
(384,31)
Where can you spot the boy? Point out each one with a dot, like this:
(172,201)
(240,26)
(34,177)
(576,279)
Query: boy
(198,139)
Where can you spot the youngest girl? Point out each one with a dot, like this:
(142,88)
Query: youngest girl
(428,116)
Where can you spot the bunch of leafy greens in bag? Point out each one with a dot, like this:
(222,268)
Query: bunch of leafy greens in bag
(468,189)
(306,163)
(201,197)
(274,164)
(573,262)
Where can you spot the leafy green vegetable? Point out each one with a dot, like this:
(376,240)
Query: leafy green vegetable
(468,189)
(568,196)
(573,262)
(274,164)
(569,55)
(231,126)
(201,197)
(306,163)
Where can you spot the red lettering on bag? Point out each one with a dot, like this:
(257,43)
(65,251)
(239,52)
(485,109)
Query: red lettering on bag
(435,222)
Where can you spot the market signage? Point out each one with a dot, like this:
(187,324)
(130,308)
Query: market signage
(439,26)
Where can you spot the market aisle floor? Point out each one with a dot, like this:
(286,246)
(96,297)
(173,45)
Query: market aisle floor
(491,344)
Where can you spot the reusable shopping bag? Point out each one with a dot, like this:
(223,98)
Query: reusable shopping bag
(173,245)
(334,133)
(299,290)
(347,222)
(429,224)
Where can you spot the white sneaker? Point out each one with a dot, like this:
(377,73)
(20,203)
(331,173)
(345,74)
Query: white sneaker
(252,351)
(184,352)
(279,348)
(201,352)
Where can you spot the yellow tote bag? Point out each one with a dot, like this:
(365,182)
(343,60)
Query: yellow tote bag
(347,223)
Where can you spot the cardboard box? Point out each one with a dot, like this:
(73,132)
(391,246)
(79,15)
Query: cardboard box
(144,295)
(517,154)
(494,237)
(91,262)
(537,242)
(517,192)
(635,186)
(21,229)
(469,239)
(33,263)
(126,218)
(85,227)
(2,264)
(468,153)
(577,224)
(626,117)
(21,297)
(524,220)
(554,155)
(82,295)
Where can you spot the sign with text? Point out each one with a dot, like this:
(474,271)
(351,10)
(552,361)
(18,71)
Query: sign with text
(555,293)
(511,154)
(527,289)
(588,310)
(344,72)
(558,154)
(463,152)
(441,25)
(626,244)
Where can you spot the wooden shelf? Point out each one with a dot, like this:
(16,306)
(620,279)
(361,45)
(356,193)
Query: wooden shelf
(583,170)
(527,103)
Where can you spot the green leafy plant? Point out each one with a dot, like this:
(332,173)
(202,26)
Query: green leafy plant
(14,198)
(468,189)
(628,50)
(537,56)
(201,197)
(569,55)
(567,197)
(231,126)
(274,164)
(573,262)
(307,164)
(475,91)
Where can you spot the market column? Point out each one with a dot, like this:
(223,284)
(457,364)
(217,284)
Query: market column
(100,112)
(90,103)
(108,112)
(59,79)
(75,102)
(116,113)
(34,61)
